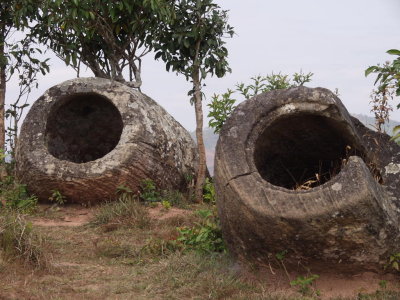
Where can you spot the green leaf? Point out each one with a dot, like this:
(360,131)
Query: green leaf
(186,43)
(370,70)
(393,52)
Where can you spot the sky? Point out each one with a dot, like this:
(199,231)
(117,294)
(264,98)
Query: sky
(335,40)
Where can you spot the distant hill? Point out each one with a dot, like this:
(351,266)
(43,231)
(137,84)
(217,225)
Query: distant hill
(210,138)
(370,122)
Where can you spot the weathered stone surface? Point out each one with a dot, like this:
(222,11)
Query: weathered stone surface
(86,136)
(274,143)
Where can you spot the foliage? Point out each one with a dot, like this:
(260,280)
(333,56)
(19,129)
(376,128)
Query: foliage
(383,284)
(394,261)
(209,192)
(193,41)
(175,198)
(57,197)
(18,240)
(304,283)
(388,86)
(109,37)
(220,109)
(151,195)
(281,255)
(149,192)
(166,204)
(205,236)
(388,74)
(396,134)
(19,58)
(222,106)
(192,45)
(156,247)
(16,196)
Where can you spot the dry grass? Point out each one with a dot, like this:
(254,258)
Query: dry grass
(130,262)
(127,211)
(19,241)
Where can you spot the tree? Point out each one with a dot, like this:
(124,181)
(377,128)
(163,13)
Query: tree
(109,37)
(17,58)
(388,80)
(192,45)
(222,106)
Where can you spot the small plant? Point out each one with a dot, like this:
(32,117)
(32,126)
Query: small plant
(394,261)
(124,190)
(57,197)
(304,283)
(280,256)
(388,87)
(383,284)
(16,197)
(149,192)
(166,204)
(209,192)
(221,107)
(18,240)
(205,236)
(175,198)
(396,134)
(156,247)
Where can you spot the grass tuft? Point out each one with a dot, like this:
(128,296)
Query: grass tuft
(18,240)
(127,210)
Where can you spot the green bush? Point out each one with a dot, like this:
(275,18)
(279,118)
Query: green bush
(209,192)
(205,236)
(57,197)
(223,105)
(16,196)
(305,285)
(149,192)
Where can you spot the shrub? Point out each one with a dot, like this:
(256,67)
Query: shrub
(305,285)
(223,105)
(175,198)
(149,192)
(57,198)
(205,236)
(209,192)
(16,197)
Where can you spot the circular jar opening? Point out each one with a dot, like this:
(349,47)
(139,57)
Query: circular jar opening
(83,127)
(302,151)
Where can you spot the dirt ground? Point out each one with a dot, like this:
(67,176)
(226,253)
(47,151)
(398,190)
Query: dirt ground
(108,262)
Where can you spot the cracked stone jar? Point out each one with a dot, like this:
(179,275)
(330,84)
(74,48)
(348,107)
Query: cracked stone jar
(87,136)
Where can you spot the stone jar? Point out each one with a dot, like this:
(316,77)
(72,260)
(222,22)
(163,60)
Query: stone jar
(87,136)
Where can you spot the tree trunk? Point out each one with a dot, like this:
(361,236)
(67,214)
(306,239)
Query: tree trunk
(201,172)
(2,87)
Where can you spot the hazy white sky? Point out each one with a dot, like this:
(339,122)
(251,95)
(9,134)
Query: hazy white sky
(336,40)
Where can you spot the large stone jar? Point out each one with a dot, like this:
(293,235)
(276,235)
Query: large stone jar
(85,137)
(296,173)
